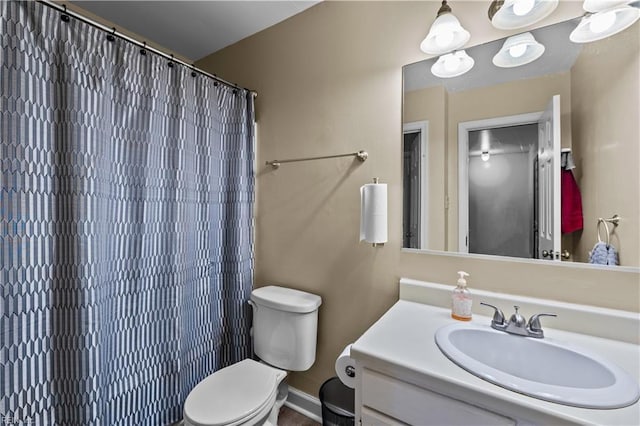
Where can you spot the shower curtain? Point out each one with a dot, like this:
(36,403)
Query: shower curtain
(126,222)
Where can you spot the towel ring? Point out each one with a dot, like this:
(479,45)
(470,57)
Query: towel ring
(606,227)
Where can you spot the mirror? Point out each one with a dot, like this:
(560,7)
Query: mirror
(497,161)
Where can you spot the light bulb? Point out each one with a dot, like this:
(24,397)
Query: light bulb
(601,22)
(444,39)
(522,7)
(451,63)
(517,50)
(484,156)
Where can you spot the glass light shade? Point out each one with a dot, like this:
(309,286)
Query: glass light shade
(521,13)
(452,64)
(446,34)
(523,7)
(485,156)
(594,6)
(603,24)
(518,50)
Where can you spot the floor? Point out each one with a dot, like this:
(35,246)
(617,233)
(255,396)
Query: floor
(289,417)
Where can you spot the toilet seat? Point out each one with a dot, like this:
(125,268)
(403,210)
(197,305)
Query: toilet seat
(233,394)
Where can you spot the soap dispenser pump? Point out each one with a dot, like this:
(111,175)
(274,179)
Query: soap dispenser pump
(461,301)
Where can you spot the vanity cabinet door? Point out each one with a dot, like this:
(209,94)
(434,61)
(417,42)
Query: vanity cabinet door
(373,418)
(411,404)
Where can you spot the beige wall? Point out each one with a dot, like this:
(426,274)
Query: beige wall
(606,120)
(329,82)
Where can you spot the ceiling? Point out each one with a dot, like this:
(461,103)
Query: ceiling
(195,29)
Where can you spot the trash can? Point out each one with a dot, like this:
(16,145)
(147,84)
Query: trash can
(338,403)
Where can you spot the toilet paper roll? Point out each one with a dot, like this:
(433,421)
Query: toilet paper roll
(373,213)
(346,368)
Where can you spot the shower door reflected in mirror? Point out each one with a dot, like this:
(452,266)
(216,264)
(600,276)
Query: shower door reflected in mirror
(598,84)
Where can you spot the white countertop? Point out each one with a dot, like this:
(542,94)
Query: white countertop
(401,344)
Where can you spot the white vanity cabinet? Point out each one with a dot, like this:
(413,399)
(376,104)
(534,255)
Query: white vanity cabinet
(402,377)
(389,401)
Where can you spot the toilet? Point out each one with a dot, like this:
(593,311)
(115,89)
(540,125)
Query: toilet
(285,323)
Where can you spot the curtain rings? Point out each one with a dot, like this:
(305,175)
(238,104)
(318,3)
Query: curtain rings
(112,36)
(64,17)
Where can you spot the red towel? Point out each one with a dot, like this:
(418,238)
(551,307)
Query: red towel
(571,202)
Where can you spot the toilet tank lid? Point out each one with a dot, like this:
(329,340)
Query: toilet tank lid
(286,299)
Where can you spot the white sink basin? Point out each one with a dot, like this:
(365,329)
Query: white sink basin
(538,367)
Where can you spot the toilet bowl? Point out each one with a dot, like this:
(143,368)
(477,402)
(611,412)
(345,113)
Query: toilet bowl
(244,393)
(250,392)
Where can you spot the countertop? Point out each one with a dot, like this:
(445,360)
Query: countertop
(401,344)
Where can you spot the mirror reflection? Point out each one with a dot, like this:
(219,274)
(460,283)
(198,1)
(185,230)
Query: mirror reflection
(537,161)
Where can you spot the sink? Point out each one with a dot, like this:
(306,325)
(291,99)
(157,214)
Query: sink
(538,368)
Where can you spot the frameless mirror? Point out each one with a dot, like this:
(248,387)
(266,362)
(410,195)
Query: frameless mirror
(509,161)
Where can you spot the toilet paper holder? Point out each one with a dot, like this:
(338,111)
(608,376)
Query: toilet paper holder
(346,368)
(375,180)
(351,372)
(374,214)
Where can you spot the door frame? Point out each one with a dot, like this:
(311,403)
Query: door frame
(463,163)
(552,117)
(423,128)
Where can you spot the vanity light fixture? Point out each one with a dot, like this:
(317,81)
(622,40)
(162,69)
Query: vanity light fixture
(512,14)
(518,50)
(485,156)
(452,64)
(594,6)
(446,33)
(601,23)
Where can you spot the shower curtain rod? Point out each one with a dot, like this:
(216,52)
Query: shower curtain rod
(63,8)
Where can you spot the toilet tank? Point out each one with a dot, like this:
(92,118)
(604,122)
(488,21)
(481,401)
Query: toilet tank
(285,327)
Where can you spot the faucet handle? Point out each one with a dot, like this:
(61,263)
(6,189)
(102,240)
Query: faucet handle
(498,316)
(517,319)
(534,322)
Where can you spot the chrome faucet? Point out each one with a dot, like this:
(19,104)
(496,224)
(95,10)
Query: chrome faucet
(517,323)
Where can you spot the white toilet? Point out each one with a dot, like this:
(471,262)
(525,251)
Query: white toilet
(285,323)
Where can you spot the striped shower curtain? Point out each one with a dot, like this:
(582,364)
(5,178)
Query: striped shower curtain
(126,193)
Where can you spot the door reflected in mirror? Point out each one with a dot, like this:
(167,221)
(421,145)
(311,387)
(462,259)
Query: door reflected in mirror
(501,172)
(483,171)
(415,191)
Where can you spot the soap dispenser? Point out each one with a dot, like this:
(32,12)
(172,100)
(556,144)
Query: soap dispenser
(461,299)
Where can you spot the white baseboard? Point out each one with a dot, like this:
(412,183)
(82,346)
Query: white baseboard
(304,404)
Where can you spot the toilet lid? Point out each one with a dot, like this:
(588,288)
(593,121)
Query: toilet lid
(232,393)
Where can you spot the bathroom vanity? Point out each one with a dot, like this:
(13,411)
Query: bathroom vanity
(404,378)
